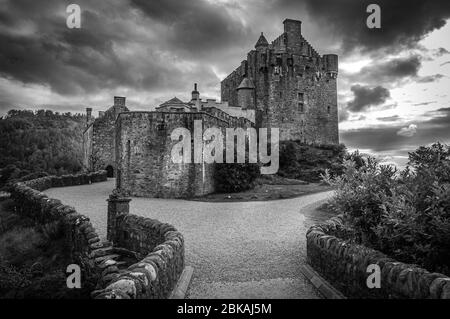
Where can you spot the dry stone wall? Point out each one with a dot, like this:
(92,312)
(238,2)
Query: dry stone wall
(80,236)
(161,248)
(345,266)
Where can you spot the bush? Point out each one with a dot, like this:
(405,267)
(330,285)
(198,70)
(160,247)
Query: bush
(405,215)
(309,162)
(233,178)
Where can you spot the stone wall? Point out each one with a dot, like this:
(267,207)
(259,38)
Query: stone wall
(160,246)
(143,153)
(99,138)
(345,266)
(81,239)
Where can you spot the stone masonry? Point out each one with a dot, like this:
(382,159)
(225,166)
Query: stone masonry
(292,86)
(99,138)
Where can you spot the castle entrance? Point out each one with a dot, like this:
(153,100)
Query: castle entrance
(109,171)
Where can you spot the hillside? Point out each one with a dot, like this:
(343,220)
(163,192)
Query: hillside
(39,142)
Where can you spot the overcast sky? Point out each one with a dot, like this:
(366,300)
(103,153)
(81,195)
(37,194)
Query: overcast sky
(393,86)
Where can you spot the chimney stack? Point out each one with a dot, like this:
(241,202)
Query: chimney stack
(119,101)
(88,115)
(119,105)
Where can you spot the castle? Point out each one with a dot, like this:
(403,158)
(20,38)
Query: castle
(285,85)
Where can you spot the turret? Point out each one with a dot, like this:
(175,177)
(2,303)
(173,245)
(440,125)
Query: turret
(331,64)
(246,94)
(261,43)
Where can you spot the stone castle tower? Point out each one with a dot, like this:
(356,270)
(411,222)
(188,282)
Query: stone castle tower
(290,86)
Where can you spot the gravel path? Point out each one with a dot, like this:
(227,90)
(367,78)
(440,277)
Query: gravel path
(238,250)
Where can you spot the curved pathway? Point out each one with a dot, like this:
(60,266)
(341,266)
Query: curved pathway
(238,250)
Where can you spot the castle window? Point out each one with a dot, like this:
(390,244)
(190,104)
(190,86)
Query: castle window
(301,97)
(161,126)
(281,94)
(301,107)
(128,149)
(328,109)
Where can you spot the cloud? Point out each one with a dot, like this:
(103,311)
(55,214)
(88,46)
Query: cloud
(388,71)
(430,78)
(424,103)
(409,131)
(385,138)
(196,26)
(392,118)
(365,97)
(403,22)
(153,50)
(441,51)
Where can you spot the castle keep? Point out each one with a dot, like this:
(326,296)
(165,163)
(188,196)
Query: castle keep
(285,85)
(290,86)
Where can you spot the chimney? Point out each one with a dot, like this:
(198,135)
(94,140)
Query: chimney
(195,93)
(293,31)
(119,105)
(119,101)
(88,115)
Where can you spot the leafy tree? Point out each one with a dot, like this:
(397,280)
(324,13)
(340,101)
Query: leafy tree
(41,141)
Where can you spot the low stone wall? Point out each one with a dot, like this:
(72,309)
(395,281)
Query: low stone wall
(160,246)
(80,236)
(345,266)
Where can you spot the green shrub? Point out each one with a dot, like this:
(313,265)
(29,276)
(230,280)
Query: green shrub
(233,178)
(405,215)
(309,162)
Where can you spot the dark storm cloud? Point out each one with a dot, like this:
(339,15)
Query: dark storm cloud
(395,68)
(388,72)
(165,45)
(365,97)
(403,22)
(196,26)
(86,60)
